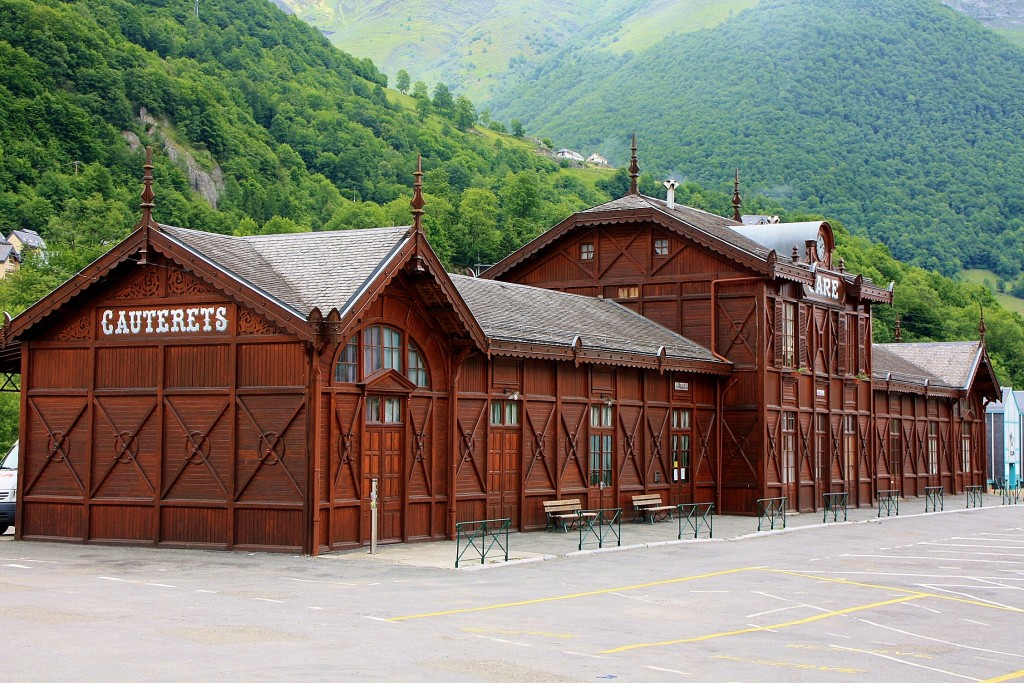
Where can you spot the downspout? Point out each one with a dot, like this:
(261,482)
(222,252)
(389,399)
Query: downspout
(316,402)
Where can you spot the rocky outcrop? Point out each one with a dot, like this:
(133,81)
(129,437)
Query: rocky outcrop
(209,184)
(992,13)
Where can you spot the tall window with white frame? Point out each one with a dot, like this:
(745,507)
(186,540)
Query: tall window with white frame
(965,447)
(601,439)
(788,465)
(933,448)
(787,331)
(682,435)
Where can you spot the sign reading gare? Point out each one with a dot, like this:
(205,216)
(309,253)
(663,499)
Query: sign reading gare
(157,321)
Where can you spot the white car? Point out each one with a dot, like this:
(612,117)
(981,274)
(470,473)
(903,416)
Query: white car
(8,488)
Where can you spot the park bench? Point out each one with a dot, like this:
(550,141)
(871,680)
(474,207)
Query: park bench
(564,513)
(648,507)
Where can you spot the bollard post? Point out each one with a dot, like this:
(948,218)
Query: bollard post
(373,516)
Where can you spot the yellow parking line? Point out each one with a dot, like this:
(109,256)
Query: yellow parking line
(911,591)
(1007,677)
(573,596)
(772,627)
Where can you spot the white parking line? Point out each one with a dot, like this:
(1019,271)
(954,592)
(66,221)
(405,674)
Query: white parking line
(903,661)
(944,642)
(671,671)
(925,557)
(18,566)
(972,621)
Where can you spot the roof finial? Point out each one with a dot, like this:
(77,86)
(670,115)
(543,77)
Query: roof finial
(736,201)
(899,331)
(417,195)
(634,169)
(981,324)
(147,188)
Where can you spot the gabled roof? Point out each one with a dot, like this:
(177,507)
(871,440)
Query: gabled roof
(530,321)
(294,279)
(935,365)
(717,233)
(30,238)
(7,250)
(303,271)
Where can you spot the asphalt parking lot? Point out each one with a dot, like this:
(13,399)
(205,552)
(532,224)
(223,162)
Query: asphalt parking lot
(920,598)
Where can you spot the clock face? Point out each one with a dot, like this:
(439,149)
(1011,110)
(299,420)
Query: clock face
(822,247)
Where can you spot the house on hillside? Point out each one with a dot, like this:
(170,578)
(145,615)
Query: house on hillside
(26,240)
(1005,427)
(597,159)
(569,154)
(10,261)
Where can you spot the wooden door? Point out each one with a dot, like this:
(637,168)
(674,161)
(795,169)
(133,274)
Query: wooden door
(503,475)
(382,460)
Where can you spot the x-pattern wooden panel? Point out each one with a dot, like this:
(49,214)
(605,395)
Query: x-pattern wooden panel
(910,452)
(419,464)
(657,441)
(348,463)
(197,447)
(572,445)
(538,440)
(739,330)
(467,440)
(623,252)
(704,439)
(629,443)
(58,445)
(271,448)
(126,447)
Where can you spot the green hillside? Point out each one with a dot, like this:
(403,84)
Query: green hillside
(902,118)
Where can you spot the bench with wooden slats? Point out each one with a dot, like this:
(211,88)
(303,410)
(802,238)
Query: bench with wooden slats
(648,507)
(564,513)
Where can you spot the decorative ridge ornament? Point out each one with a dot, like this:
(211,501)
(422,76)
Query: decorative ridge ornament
(981,323)
(146,223)
(634,169)
(736,201)
(899,332)
(417,202)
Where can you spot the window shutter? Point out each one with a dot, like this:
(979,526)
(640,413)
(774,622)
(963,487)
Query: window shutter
(803,339)
(778,333)
(842,344)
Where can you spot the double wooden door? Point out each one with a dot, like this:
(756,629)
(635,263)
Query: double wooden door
(383,460)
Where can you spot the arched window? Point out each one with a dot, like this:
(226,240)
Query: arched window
(346,369)
(417,369)
(383,348)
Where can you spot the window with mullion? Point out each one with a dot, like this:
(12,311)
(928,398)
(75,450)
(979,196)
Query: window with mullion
(933,448)
(788,334)
(601,445)
(681,440)
(965,447)
(788,465)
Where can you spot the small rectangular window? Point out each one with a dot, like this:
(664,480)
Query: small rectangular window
(661,247)
(587,251)
(504,413)
(392,410)
(372,409)
(601,415)
(629,292)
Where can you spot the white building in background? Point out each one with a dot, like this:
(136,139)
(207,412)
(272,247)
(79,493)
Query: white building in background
(1004,422)
(596,158)
(569,154)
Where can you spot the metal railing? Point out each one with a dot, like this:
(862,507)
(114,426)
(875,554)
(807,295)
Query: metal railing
(695,517)
(832,504)
(481,536)
(933,498)
(889,502)
(600,524)
(974,496)
(772,510)
(1010,494)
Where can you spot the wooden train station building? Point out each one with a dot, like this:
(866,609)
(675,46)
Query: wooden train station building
(201,390)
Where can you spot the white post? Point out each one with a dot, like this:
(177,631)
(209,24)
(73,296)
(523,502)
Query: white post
(373,516)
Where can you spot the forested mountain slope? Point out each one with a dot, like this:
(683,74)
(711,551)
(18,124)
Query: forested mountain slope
(902,118)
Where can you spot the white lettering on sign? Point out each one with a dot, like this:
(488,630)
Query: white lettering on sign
(200,319)
(682,386)
(826,286)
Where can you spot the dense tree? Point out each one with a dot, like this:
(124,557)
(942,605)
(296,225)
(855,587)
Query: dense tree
(402,81)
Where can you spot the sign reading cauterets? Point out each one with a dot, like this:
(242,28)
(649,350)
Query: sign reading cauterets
(140,322)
